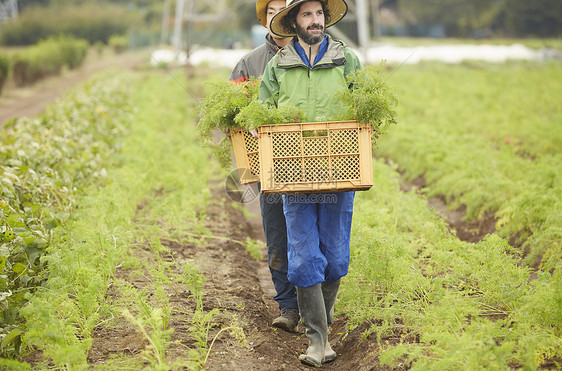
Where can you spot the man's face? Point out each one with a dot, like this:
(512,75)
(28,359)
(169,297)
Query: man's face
(310,22)
(273,7)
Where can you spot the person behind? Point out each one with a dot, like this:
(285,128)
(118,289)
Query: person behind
(307,73)
(273,220)
(253,63)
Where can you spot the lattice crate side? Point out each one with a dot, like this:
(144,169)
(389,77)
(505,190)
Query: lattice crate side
(246,154)
(337,157)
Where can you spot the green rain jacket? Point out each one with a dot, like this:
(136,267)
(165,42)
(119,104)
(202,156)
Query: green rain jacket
(288,80)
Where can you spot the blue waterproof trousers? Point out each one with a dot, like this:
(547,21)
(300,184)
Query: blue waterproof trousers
(318,233)
(275,231)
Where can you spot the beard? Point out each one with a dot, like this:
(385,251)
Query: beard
(308,38)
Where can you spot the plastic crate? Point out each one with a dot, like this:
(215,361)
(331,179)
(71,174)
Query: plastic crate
(315,157)
(246,153)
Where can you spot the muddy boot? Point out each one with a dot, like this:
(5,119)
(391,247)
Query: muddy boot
(330,355)
(288,320)
(313,315)
(330,292)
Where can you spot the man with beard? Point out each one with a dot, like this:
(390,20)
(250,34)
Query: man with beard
(273,220)
(307,73)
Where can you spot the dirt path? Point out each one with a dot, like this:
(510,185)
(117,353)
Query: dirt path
(473,231)
(240,288)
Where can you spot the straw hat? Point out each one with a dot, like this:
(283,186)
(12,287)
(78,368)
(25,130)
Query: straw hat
(261,11)
(337,9)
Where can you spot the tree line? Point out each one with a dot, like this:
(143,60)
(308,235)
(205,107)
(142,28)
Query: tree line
(469,18)
(459,18)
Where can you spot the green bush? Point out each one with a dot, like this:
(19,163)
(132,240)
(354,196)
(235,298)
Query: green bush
(119,43)
(73,51)
(47,58)
(90,22)
(4,69)
(99,47)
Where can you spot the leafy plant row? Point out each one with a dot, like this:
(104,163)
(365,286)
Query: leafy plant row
(44,163)
(154,189)
(487,138)
(92,22)
(4,69)
(47,58)
(502,104)
(433,302)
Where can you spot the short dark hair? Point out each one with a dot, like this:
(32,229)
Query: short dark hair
(291,17)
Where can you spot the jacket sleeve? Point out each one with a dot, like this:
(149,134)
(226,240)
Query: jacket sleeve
(240,72)
(269,86)
(352,63)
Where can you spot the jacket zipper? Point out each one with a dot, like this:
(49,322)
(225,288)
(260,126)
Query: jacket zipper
(309,61)
(309,67)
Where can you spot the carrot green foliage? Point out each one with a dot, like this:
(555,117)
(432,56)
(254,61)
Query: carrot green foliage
(487,137)
(434,302)
(483,137)
(371,100)
(218,110)
(256,114)
(232,105)
(223,103)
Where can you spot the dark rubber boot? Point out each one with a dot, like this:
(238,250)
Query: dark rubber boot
(313,316)
(288,320)
(330,292)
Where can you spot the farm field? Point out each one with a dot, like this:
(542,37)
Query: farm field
(487,137)
(154,266)
(29,101)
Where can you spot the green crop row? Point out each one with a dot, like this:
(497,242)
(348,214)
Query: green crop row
(46,58)
(154,187)
(4,70)
(487,137)
(433,302)
(499,105)
(88,21)
(45,162)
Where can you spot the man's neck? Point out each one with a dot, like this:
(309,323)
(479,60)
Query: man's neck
(281,41)
(313,48)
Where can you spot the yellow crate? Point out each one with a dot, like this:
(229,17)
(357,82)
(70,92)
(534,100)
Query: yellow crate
(246,154)
(315,157)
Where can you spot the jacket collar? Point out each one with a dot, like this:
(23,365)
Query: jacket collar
(304,57)
(271,45)
(288,57)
